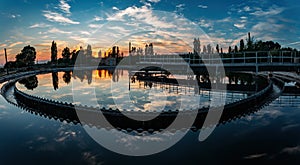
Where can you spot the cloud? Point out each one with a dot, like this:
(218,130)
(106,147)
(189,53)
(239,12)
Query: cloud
(39,25)
(206,24)
(240,26)
(59,18)
(81,39)
(203,6)
(85,33)
(64,6)
(291,150)
(273,10)
(142,14)
(15,44)
(255,156)
(294,43)
(95,26)
(267,26)
(97,18)
(119,29)
(247,8)
(46,44)
(3,45)
(55,30)
(180,7)
(227,19)
(15,16)
(115,8)
(154,1)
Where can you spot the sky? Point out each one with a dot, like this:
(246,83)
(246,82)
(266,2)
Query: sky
(170,25)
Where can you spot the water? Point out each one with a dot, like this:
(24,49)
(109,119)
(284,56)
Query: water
(269,136)
(57,86)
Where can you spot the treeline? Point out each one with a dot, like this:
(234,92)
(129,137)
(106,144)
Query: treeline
(27,56)
(252,45)
(69,57)
(244,45)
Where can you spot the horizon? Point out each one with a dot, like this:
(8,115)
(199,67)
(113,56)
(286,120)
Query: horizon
(170,27)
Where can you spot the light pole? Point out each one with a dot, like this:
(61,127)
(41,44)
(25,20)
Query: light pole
(6,60)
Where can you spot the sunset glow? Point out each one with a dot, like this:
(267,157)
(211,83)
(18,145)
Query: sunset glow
(170,26)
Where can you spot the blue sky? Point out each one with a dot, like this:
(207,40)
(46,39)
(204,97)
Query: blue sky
(170,24)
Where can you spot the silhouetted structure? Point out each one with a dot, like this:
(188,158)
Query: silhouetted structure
(204,49)
(209,49)
(66,54)
(53,52)
(55,80)
(197,46)
(67,77)
(242,45)
(217,48)
(26,57)
(149,50)
(30,82)
(250,42)
(229,49)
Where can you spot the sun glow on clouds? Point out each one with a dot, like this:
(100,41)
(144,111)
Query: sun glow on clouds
(168,32)
(14,44)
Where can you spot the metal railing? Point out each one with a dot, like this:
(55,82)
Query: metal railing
(255,57)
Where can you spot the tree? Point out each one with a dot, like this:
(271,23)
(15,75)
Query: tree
(89,51)
(53,52)
(66,54)
(197,46)
(55,80)
(242,45)
(209,49)
(229,49)
(74,56)
(204,49)
(151,51)
(27,56)
(221,50)
(30,82)
(217,48)
(114,52)
(250,42)
(235,49)
(67,77)
(266,46)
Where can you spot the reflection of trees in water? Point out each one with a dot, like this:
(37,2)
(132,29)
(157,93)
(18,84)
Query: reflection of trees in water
(113,74)
(55,80)
(30,82)
(243,79)
(204,78)
(116,75)
(67,77)
(83,75)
